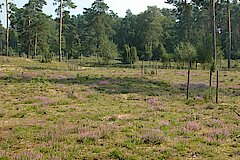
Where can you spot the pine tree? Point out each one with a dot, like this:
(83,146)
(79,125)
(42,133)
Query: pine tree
(7,27)
(99,31)
(61,5)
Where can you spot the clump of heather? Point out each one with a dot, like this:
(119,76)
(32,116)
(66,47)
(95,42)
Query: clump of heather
(87,135)
(45,101)
(164,123)
(55,133)
(91,135)
(29,155)
(218,133)
(2,153)
(189,127)
(153,137)
(192,126)
(215,123)
(104,82)
(154,104)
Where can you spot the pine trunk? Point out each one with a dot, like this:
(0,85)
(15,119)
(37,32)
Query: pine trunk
(7,29)
(29,40)
(35,45)
(60,33)
(1,47)
(214,49)
(229,35)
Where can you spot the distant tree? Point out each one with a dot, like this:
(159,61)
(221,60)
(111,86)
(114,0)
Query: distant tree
(167,58)
(1,32)
(126,32)
(169,37)
(134,56)
(34,13)
(108,50)
(204,50)
(186,52)
(99,31)
(148,52)
(126,54)
(7,26)
(149,31)
(229,34)
(72,39)
(32,28)
(129,55)
(159,52)
(1,38)
(61,5)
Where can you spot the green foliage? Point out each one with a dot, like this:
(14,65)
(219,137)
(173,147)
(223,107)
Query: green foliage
(204,51)
(100,32)
(126,54)
(186,52)
(117,155)
(134,56)
(129,55)
(71,37)
(46,57)
(159,52)
(65,4)
(148,52)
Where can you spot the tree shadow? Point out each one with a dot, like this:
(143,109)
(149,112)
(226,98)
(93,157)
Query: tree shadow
(123,85)
(40,68)
(109,85)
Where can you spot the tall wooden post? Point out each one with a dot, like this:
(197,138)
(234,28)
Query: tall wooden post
(214,45)
(188,83)
(156,67)
(210,79)
(217,86)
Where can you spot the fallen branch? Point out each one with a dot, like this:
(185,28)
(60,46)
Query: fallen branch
(237,113)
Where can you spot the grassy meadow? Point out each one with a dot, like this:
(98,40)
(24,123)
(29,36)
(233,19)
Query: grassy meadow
(67,111)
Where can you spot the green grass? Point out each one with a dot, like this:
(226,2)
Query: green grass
(65,111)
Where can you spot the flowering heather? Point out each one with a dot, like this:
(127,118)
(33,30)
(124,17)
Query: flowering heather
(3,75)
(215,123)
(29,75)
(154,137)
(45,101)
(87,133)
(55,133)
(76,95)
(192,126)
(29,155)
(104,82)
(218,133)
(2,153)
(164,123)
(154,104)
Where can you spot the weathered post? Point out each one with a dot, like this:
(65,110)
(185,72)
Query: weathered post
(188,83)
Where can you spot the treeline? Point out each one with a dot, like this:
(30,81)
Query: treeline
(181,34)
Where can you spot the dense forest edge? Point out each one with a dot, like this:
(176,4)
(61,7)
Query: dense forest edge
(181,34)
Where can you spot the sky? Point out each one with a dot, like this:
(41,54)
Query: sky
(118,6)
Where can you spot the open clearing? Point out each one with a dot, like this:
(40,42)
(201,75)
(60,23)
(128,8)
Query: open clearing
(48,111)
